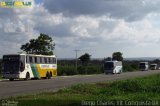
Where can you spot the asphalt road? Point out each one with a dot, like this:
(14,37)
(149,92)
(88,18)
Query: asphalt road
(14,88)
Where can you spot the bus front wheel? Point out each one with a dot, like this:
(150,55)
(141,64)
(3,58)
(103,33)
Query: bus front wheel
(27,76)
(48,76)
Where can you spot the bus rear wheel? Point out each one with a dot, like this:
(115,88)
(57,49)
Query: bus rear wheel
(11,79)
(51,74)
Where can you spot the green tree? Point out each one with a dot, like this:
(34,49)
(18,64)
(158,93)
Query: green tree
(157,61)
(85,58)
(108,59)
(117,56)
(42,45)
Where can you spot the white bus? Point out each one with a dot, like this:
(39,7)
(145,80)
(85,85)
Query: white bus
(27,66)
(153,66)
(143,66)
(113,67)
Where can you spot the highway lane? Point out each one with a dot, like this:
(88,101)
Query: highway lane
(14,88)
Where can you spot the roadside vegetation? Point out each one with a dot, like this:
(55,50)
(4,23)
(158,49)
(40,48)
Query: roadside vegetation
(130,66)
(86,65)
(137,89)
(67,67)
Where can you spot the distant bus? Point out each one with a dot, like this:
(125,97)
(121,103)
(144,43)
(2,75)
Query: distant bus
(153,66)
(113,67)
(27,66)
(143,66)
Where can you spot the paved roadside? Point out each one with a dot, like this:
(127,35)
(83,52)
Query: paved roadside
(14,88)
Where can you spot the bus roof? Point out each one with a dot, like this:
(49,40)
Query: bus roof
(154,64)
(113,61)
(143,62)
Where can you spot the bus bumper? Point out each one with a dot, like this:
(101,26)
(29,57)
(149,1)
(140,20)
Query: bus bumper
(108,71)
(8,76)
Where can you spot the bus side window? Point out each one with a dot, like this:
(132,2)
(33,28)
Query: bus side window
(49,61)
(30,59)
(40,59)
(45,59)
(54,60)
(35,59)
(27,59)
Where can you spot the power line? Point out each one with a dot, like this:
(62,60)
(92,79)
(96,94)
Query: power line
(76,57)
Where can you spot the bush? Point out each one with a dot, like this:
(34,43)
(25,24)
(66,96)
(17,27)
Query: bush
(81,70)
(90,69)
(67,67)
(94,69)
(135,66)
(130,67)
(71,70)
(127,68)
(66,70)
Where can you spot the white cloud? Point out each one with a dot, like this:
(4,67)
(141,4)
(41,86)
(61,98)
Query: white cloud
(97,33)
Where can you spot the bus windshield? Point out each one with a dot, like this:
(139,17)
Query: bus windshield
(108,65)
(153,65)
(142,65)
(11,63)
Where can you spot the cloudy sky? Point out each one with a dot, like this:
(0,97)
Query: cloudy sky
(98,27)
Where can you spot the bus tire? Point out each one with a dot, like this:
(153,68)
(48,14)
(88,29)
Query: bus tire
(11,79)
(119,72)
(27,76)
(48,75)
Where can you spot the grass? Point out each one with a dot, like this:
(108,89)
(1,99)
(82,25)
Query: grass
(137,89)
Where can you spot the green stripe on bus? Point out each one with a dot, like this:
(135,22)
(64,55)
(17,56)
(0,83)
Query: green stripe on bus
(35,71)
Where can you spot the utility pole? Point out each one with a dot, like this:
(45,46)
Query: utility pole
(76,58)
